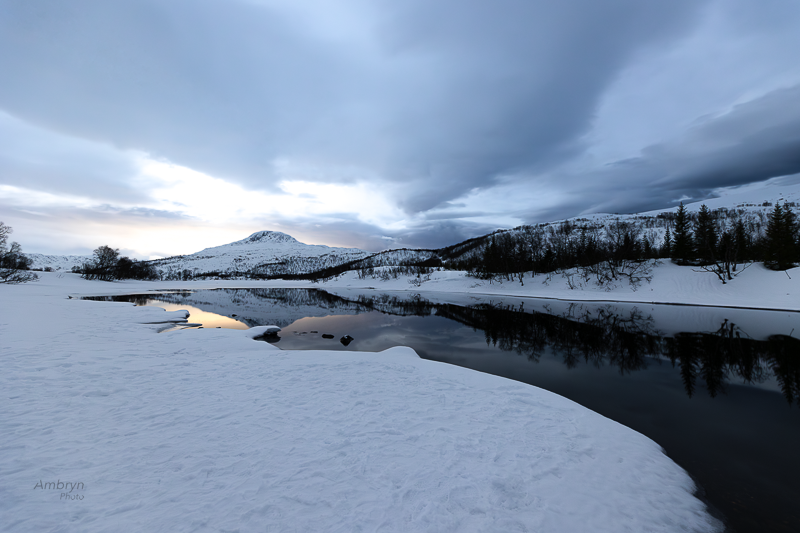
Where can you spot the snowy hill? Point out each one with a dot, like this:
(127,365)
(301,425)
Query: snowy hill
(752,204)
(273,254)
(58,262)
(261,250)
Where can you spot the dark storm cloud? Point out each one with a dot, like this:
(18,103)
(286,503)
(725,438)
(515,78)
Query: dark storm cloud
(441,234)
(444,96)
(348,232)
(755,141)
(450,100)
(344,231)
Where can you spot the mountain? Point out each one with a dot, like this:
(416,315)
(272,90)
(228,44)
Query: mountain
(752,204)
(272,253)
(261,251)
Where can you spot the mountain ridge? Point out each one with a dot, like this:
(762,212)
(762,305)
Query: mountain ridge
(273,253)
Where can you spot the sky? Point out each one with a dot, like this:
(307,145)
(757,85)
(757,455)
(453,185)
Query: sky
(161,128)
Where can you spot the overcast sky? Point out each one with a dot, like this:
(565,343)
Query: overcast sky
(163,127)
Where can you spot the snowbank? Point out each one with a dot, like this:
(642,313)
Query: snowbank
(107,426)
(756,288)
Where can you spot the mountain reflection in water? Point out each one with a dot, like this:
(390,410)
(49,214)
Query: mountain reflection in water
(719,389)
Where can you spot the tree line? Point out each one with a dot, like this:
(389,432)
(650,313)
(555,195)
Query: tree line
(624,250)
(627,249)
(107,265)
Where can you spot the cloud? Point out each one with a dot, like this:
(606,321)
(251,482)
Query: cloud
(752,142)
(444,95)
(412,122)
(36,158)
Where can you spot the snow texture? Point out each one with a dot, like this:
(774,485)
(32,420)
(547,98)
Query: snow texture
(208,430)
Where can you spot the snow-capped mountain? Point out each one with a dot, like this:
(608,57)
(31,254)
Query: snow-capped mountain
(261,250)
(272,253)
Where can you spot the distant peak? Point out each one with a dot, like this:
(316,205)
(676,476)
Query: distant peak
(267,236)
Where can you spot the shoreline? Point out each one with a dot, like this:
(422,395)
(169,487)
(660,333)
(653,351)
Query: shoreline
(755,289)
(165,430)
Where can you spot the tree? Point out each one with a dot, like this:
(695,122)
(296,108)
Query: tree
(741,241)
(705,236)
(104,265)
(682,240)
(781,239)
(14,266)
(666,247)
(725,258)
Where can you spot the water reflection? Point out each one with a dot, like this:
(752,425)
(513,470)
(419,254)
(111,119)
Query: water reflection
(603,336)
(716,356)
(675,374)
(624,337)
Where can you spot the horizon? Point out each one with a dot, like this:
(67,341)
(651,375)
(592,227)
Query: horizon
(163,129)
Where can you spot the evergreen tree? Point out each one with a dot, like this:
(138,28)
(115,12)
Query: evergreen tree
(666,247)
(705,236)
(682,240)
(741,241)
(490,265)
(780,247)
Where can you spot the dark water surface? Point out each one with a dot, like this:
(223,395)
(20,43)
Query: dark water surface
(719,389)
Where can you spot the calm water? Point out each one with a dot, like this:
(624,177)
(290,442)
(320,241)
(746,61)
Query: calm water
(719,389)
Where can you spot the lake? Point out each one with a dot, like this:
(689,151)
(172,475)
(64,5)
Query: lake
(717,388)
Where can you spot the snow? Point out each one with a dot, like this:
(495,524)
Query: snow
(207,430)
(262,247)
(58,262)
(756,287)
(274,253)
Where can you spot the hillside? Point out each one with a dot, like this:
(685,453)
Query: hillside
(270,254)
(261,250)
(751,204)
(57,262)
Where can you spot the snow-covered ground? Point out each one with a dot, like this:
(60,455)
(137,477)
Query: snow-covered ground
(207,430)
(756,287)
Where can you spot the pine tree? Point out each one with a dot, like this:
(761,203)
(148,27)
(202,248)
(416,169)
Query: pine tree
(741,241)
(781,245)
(682,243)
(705,236)
(666,247)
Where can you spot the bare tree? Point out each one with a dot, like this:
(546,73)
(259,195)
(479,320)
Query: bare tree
(14,266)
(104,265)
(622,258)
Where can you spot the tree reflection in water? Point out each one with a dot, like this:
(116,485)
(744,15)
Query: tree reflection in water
(602,336)
(719,355)
(590,334)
